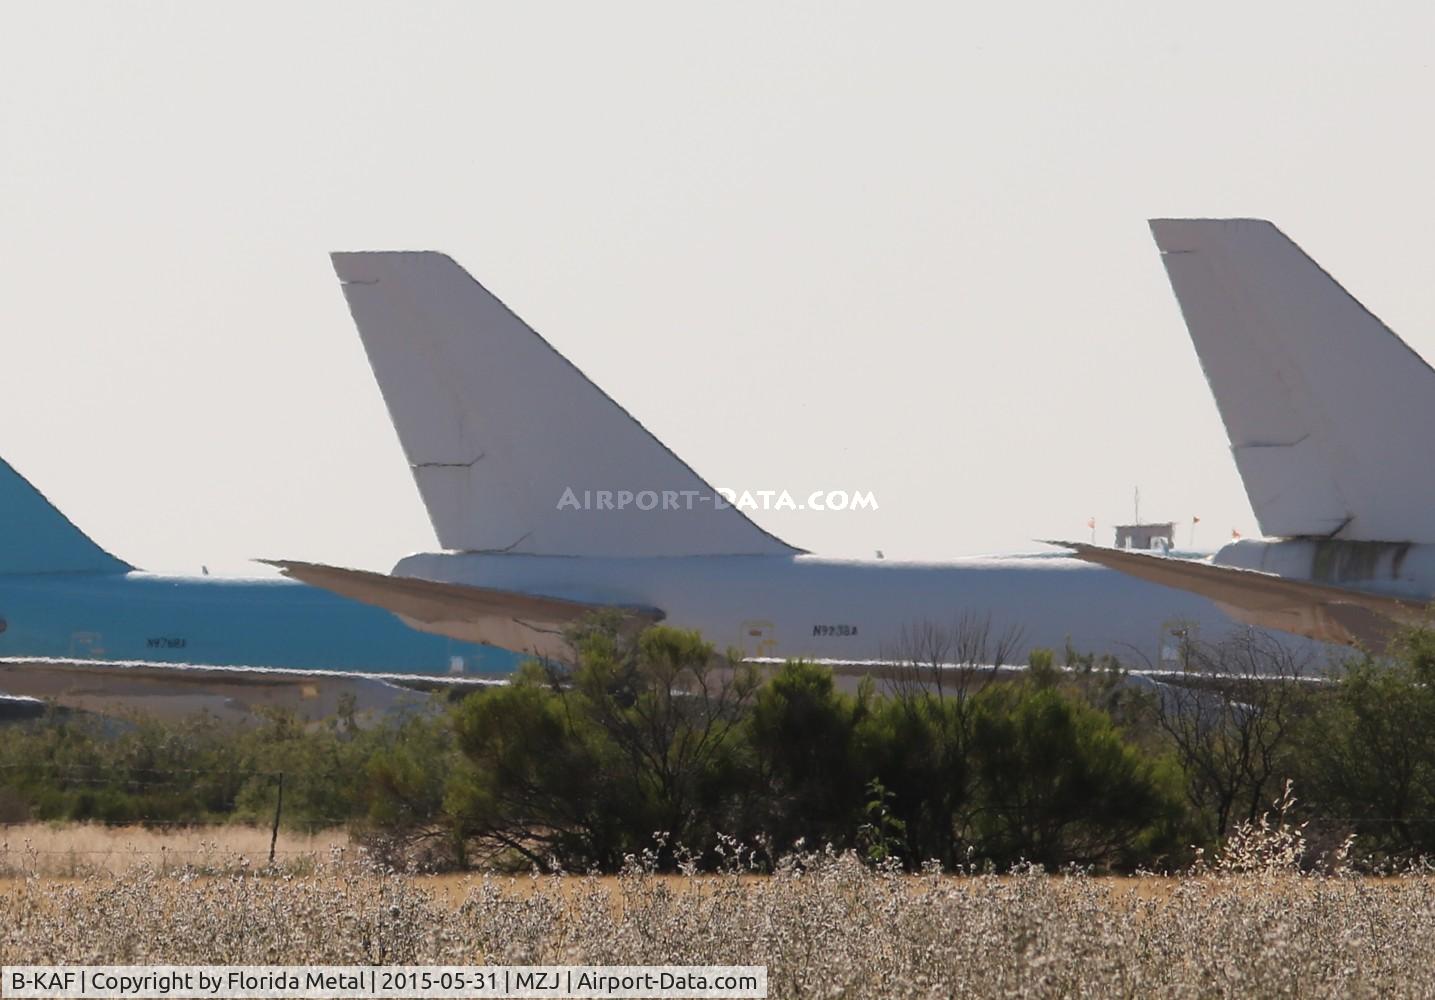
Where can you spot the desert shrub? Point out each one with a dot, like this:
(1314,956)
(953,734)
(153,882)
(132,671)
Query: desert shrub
(809,759)
(576,769)
(580,770)
(142,770)
(1366,759)
(532,782)
(917,745)
(1057,784)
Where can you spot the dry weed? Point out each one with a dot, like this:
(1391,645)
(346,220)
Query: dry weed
(825,925)
(79,849)
(1259,920)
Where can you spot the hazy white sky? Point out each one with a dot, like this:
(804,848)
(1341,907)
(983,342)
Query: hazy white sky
(897,248)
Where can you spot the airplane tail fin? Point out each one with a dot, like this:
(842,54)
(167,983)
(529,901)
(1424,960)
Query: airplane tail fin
(512,447)
(1327,410)
(36,538)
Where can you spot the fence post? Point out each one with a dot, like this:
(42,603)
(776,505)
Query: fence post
(278,808)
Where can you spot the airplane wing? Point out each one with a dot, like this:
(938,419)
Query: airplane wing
(507,619)
(1351,617)
(179,690)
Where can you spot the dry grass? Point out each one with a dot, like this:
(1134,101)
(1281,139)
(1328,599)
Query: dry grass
(825,926)
(1248,924)
(74,850)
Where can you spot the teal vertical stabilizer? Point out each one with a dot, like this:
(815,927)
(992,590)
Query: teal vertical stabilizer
(36,538)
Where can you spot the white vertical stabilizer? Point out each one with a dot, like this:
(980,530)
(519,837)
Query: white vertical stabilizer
(513,448)
(1329,413)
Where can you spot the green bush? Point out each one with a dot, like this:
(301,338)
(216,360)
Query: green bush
(657,746)
(1057,784)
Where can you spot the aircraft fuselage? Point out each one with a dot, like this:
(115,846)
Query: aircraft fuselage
(220,622)
(850,610)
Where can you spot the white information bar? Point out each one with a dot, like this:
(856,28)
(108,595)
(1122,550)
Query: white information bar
(352,982)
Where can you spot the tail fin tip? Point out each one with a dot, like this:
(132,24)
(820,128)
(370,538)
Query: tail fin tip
(1186,235)
(36,538)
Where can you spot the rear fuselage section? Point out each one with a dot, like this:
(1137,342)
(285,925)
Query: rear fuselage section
(1392,569)
(222,622)
(1404,570)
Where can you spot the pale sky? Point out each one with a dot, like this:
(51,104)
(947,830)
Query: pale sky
(888,247)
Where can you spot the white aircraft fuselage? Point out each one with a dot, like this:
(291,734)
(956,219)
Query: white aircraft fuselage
(845,609)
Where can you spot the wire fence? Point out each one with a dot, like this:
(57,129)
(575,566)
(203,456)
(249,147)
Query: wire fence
(65,838)
(83,851)
(109,775)
(216,842)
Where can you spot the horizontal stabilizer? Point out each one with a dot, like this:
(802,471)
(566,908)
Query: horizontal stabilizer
(523,623)
(179,690)
(1354,617)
